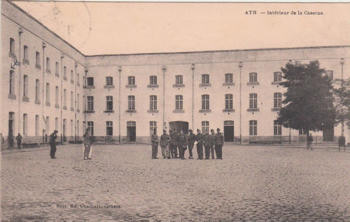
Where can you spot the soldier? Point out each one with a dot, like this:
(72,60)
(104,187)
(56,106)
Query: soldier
(199,139)
(206,144)
(53,137)
(19,140)
(154,140)
(219,142)
(191,140)
(182,144)
(164,142)
(341,142)
(309,140)
(212,143)
(177,145)
(172,143)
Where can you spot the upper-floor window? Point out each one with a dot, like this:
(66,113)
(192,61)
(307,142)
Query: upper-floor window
(131,80)
(90,103)
(253,101)
(277,100)
(109,128)
(78,79)
(57,69)
(71,76)
(109,103)
(253,77)
(109,81)
(78,102)
(228,101)
(153,103)
(56,96)
(153,127)
(37,91)
(37,60)
(25,124)
(48,94)
(205,126)
(205,79)
(25,55)
(71,100)
(229,78)
(179,102)
(205,102)
(253,128)
(25,86)
(65,72)
(65,99)
(12,47)
(12,83)
(48,68)
(90,81)
(277,128)
(277,76)
(153,80)
(131,103)
(179,80)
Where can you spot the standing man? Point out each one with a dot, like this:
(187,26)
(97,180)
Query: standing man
(206,145)
(52,141)
(199,139)
(173,144)
(19,140)
(182,144)
(155,141)
(309,140)
(191,140)
(219,142)
(212,143)
(164,144)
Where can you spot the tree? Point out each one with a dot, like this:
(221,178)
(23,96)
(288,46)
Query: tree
(342,101)
(308,102)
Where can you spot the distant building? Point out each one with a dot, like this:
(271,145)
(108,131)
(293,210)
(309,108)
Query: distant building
(47,84)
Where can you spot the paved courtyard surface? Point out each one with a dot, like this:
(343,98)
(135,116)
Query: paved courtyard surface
(122,183)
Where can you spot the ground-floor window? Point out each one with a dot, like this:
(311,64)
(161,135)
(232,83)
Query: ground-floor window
(36,125)
(25,124)
(109,128)
(205,126)
(277,128)
(90,125)
(253,127)
(153,127)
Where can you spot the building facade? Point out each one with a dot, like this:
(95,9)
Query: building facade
(47,84)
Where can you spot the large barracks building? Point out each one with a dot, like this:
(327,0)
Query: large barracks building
(47,84)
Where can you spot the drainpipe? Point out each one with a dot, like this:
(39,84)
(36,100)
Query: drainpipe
(193,68)
(240,65)
(119,102)
(20,31)
(85,99)
(342,85)
(43,91)
(75,102)
(61,107)
(164,70)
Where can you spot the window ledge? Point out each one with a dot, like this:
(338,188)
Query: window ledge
(57,106)
(25,61)
(109,111)
(109,86)
(12,96)
(253,110)
(276,109)
(65,107)
(47,104)
(178,111)
(37,66)
(89,111)
(252,83)
(228,84)
(228,110)
(37,101)
(153,86)
(178,85)
(276,82)
(205,110)
(153,111)
(89,87)
(131,86)
(25,99)
(131,111)
(204,85)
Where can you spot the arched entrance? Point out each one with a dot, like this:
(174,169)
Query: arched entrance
(179,125)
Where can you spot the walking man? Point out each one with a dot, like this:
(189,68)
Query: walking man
(155,141)
(191,140)
(199,139)
(212,143)
(164,144)
(219,142)
(206,144)
(19,140)
(52,141)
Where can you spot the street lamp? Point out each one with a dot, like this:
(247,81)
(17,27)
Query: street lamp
(342,85)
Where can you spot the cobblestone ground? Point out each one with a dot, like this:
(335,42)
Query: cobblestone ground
(122,183)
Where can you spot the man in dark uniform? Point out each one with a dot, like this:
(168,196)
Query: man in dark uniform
(309,140)
(177,144)
(219,142)
(199,139)
(212,143)
(182,144)
(191,140)
(52,141)
(164,144)
(341,142)
(155,141)
(19,140)
(206,145)
(172,143)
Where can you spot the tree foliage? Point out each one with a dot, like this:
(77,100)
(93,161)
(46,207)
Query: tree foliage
(342,101)
(308,102)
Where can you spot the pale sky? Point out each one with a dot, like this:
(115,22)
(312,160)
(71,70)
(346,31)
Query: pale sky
(117,28)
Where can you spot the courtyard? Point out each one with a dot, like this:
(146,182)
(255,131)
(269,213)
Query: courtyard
(122,183)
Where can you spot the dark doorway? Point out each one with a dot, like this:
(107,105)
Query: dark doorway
(11,123)
(131,131)
(229,131)
(179,125)
(328,133)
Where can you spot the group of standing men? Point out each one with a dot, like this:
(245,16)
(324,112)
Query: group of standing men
(176,143)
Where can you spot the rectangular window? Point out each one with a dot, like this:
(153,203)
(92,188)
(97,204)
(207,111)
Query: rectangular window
(78,79)
(109,128)
(56,96)
(131,103)
(153,80)
(277,128)
(228,101)
(37,91)
(71,76)
(277,100)
(25,55)
(71,99)
(109,103)
(205,127)
(205,79)
(152,127)
(253,127)
(12,83)
(78,102)
(179,102)
(25,124)
(56,123)
(253,77)
(90,81)
(78,128)
(71,128)
(47,94)
(179,80)
(65,72)
(253,101)
(131,80)
(277,76)
(228,78)
(153,103)
(37,125)
(25,86)
(48,68)
(57,69)
(65,99)
(205,102)
(37,60)
(90,103)
(12,47)
(90,125)
(109,81)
